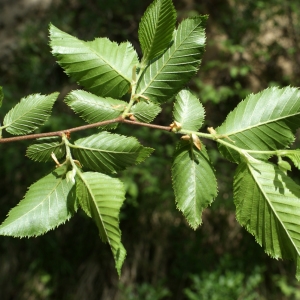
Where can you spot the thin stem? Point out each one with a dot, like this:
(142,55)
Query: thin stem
(241,150)
(200,134)
(30,136)
(63,133)
(271,152)
(70,175)
(68,151)
(160,127)
(221,140)
(58,133)
(133,98)
(128,107)
(79,128)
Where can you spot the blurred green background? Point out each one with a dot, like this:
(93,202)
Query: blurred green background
(250,45)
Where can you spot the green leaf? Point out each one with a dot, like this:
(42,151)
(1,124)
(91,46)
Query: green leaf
(30,113)
(109,153)
(48,203)
(156,28)
(268,206)
(188,111)
(1,95)
(284,165)
(93,109)
(101,197)
(194,181)
(165,76)
(145,112)
(101,66)
(42,152)
(264,121)
(293,155)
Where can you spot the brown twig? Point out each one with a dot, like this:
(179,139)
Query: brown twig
(160,127)
(79,128)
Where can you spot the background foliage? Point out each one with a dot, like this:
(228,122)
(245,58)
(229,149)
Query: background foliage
(251,45)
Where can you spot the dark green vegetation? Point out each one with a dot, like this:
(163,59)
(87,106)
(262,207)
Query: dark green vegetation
(163,251)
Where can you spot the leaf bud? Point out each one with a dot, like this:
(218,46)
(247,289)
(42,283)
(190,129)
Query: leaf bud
(196,141)
(211,130)
(186,137)
(175,126)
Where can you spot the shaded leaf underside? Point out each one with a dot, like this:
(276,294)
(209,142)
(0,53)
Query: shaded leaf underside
(42,152)
(101,197)
(194,182)
(109,153)
(267,203)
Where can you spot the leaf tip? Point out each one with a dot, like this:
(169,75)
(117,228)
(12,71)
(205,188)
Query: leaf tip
(120,258)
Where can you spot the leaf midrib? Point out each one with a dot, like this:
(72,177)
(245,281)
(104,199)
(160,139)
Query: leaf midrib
(76,146)
(170,57)
(41,148)
(158,24)
(194,180)
(273,209)
(86,45)
(27,112)
(261,124)
(98,55)
(95,205)
(46,197)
